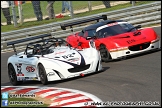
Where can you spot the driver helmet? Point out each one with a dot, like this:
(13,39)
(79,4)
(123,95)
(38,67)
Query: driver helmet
(37,49)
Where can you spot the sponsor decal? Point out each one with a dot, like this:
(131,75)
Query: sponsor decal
(26,78)
(30,78)
(20,78)
(73,60)
(118,49)
(112,24)
(50,74)
(68,56)
(30,69)
(35,78)
(20,74)
(60,52)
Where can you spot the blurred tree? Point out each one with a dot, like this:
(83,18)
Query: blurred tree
(107,4)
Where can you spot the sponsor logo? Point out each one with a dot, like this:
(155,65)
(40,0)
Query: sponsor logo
(20,78)
(68,56)
(31,78)
(73,60)
(5,95)
(35,78)
(30,69)
(4,102)
(60,52)
(111,24)
(20,74)
(26,78)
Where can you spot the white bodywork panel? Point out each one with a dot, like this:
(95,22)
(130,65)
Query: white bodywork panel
(56,64)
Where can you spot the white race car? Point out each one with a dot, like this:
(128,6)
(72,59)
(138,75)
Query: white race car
(51,59)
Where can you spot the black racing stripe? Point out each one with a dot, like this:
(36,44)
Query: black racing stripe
(75,65)
(82,60)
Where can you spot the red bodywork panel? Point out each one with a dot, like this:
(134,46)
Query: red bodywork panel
(117,41)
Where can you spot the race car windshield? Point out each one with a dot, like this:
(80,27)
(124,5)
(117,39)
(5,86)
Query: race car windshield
(90,33)
(114,30)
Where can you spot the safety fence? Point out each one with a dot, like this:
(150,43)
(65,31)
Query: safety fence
(143,14)
(23,11)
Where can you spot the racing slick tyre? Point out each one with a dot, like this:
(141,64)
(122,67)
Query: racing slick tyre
(12,76)
(42,74)
(105,55)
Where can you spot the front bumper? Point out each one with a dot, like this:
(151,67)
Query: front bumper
(132,51)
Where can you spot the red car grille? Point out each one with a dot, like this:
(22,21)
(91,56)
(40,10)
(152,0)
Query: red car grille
(139,46)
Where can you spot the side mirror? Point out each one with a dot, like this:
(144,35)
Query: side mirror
(63,27)
(104,17)
(91,37)
(138,26)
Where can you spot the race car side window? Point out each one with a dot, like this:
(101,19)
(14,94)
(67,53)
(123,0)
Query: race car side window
(81,33)
(91,33)
(126,26)
(85,34)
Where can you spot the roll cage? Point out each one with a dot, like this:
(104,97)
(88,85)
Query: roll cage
(44,43)
(44,46)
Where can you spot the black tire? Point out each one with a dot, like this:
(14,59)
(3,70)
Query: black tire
(105,55)
(42,74)
(12,76)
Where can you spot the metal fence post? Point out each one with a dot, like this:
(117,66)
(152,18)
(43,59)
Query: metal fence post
(71,12)
(89,6)
(20,12)
(14,13)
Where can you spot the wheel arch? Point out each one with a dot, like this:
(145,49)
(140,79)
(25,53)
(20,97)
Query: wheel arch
(106,48)
(9,63)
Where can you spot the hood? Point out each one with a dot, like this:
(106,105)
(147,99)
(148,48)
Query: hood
(128,39)
(67,55)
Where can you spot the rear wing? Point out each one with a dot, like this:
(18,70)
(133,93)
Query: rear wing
(63,26)
(25,40)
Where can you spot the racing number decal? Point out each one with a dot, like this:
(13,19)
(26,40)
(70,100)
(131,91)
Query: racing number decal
(19,68)
(30,69)
(130,41)
(68,56)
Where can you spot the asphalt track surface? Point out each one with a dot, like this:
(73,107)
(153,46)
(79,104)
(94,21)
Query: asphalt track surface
(137,78)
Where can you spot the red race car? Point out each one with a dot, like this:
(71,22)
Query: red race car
(114,38)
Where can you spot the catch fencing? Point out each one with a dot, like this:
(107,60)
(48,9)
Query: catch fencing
(143,14)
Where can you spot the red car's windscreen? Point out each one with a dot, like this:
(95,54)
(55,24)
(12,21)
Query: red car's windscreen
(114,30)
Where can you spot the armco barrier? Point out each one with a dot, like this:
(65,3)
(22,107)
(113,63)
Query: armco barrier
(142,14)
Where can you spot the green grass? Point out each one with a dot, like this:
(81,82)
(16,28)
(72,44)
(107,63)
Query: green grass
(36,23)
(24,99)
(28,11)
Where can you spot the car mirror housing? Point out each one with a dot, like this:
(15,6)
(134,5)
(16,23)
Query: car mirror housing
(91,37)
(138,26)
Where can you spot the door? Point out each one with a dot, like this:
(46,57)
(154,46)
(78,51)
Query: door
(26,66)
